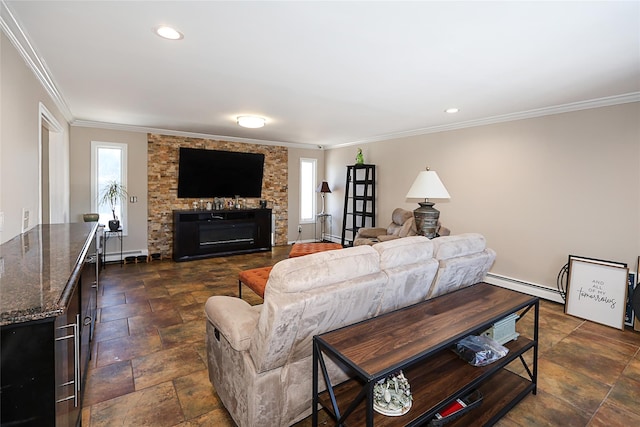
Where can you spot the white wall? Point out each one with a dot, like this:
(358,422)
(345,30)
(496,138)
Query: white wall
(539,189)
(80,159)
(20,97)
(308,230)
(80,203)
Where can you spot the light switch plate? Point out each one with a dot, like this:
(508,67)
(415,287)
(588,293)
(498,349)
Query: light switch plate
(25,219)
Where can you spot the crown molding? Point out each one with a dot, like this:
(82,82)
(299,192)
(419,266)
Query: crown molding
(142,129)
(19,39)
(538,112)
(24,47)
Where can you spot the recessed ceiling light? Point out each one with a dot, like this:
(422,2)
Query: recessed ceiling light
(252,122)
(452,110)
(168,33)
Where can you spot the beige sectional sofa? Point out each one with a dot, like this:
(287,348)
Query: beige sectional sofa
(259,357)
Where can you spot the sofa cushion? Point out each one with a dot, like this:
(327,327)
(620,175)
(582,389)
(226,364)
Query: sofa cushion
(322,269)
(410,269)
(408,228)
(399,226)
(409,250)
(458,245)
(400,216)
(371,232)
(385,238)
(309,295)
(463,271)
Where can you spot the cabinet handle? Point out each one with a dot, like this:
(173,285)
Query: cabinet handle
(76,360)
(87,321)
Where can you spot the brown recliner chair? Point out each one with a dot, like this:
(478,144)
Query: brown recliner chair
(402,225)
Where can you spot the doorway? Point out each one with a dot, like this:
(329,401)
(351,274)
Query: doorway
(54,171)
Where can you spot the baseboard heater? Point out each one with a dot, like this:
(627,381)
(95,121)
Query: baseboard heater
(544,292)
(115,256)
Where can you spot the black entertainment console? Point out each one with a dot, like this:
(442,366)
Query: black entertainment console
(202,234)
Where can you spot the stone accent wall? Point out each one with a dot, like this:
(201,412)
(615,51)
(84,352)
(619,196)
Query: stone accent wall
(162,165)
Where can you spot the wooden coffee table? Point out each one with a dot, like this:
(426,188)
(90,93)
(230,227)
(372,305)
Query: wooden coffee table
(418,340)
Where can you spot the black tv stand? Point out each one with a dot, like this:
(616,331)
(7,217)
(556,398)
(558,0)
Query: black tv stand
(202,234)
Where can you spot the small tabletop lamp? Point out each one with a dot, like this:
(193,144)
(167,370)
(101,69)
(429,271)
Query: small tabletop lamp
(427,186)
(322,189)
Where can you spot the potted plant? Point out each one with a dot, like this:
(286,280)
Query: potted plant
(113,192)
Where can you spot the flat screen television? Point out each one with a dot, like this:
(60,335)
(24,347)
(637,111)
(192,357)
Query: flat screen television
(214,173)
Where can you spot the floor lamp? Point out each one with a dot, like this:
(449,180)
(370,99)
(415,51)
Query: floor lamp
(322,189)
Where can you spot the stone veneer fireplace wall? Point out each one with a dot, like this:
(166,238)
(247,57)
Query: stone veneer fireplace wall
(162,177)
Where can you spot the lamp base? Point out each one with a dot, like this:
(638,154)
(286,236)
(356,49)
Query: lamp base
(426,217)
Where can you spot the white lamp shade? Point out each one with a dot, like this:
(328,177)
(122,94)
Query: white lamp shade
(428,186)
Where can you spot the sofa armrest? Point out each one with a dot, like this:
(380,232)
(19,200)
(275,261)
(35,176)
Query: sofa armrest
(234,318)
(443,231)
(371,232)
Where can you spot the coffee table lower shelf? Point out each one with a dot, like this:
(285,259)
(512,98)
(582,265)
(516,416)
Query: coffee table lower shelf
(438,380)
(500,393)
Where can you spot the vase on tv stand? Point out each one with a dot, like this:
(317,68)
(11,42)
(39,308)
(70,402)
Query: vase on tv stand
(218,204)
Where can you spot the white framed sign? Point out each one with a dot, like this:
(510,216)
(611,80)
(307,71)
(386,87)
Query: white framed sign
(597,291)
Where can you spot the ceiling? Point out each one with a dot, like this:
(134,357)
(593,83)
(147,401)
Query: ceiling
(326,73)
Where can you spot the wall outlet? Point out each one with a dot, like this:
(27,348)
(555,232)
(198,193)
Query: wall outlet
(299,228)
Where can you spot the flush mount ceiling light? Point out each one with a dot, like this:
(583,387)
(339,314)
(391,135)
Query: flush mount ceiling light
(452,110)
(252,122)
(168,33)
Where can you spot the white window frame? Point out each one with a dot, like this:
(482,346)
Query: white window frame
(308,196)
(95,191)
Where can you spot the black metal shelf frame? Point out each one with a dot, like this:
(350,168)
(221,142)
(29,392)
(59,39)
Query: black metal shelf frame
(359,201)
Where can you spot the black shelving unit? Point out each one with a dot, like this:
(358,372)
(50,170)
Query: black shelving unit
(359,201)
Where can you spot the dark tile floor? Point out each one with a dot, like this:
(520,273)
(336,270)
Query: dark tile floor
(149,363)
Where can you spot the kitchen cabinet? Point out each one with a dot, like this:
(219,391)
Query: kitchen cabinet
(49,296)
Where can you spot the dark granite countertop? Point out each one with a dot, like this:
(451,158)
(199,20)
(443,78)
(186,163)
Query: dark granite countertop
(39,270)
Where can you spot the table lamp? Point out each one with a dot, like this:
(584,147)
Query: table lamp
(322,189)
(427,186)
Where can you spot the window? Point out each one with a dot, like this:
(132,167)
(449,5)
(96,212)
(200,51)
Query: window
(108,163)
(307,190)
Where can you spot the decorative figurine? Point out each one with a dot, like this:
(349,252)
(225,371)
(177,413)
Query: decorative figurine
(359,157)
(392,395)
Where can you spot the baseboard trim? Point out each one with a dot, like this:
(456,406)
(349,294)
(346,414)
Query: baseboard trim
(115,256)
(528,288)
(302,241)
